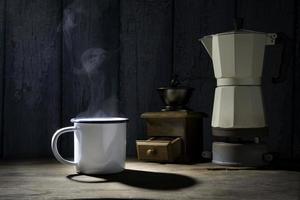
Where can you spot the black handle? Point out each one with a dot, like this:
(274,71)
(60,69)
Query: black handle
(286,57)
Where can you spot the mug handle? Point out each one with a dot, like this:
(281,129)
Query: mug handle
(54,144)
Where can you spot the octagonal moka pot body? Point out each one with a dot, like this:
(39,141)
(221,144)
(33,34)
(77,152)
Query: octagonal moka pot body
(238,119)
(237,58)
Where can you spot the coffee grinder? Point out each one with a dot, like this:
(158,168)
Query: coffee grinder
(175,132)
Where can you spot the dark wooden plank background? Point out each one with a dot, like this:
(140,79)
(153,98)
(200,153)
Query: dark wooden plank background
(142,43)
(296,89)
(32,71)
(2,64)
(146,60)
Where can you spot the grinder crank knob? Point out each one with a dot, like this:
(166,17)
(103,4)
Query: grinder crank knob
(150,152)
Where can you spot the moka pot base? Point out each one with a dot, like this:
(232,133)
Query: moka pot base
(240,154)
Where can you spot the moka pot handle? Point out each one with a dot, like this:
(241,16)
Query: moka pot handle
(286,57)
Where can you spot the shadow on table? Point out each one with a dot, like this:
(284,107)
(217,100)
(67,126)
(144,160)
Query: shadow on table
(140,179)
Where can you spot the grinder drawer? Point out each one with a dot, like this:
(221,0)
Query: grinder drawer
(159,149)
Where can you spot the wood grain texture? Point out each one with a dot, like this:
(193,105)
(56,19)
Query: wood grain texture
(296,105)
(90,61)
(146,60)
(194,19)
(277,18)
(31,102)
(144,180)
(2,64)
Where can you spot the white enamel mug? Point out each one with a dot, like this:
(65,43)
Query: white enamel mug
(99,145)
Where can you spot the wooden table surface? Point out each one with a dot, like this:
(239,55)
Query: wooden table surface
(141,180)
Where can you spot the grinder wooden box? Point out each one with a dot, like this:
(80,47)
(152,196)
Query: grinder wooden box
(181,128)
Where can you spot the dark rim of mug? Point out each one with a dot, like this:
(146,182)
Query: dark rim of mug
(108,120)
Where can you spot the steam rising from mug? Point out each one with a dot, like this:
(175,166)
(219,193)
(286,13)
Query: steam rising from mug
(92,64)
(102,102)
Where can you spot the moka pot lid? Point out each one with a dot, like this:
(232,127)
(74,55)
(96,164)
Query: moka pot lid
(240,31)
